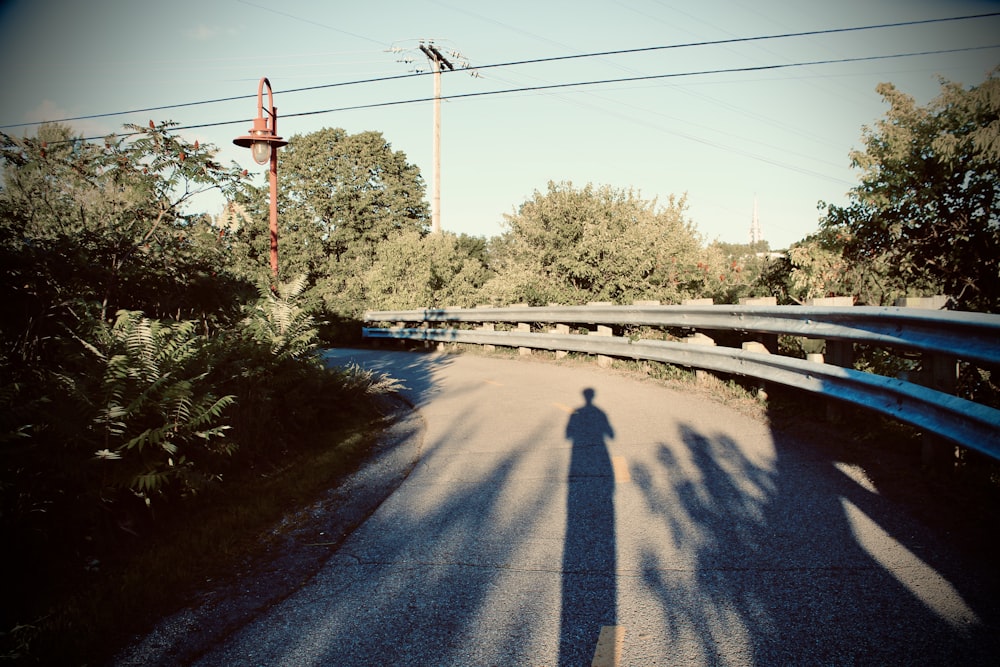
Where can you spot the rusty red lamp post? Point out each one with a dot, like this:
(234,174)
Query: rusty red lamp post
(264,142)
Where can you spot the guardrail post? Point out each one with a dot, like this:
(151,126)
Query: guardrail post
(424,326)
(602,330)
(524,327)
(759,348)
(561,329)
(835,352)
(699,339)
(838,353)
(487,326)
(602,360)
(769,340)
(926,302)
(939,372)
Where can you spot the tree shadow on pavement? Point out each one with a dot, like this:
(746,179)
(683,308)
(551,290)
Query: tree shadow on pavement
(296,556)
(412,584)
(799,560)
(589,577)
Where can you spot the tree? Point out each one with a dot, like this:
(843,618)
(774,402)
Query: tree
(813,267)
(135,369)
(105,224)
(926,207)
(437,270)
(571,246)
(342,194)
(735,270)
(91,234)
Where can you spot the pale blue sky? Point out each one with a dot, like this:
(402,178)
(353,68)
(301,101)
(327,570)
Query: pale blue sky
(781,135)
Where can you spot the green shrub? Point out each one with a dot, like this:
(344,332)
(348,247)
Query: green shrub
(157,411)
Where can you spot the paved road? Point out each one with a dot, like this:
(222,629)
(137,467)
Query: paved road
(560,512)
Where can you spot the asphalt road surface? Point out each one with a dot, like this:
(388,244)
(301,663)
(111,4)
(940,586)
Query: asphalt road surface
(567,515)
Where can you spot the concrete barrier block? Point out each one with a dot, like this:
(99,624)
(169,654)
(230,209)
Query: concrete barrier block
(831,301)
(939,302)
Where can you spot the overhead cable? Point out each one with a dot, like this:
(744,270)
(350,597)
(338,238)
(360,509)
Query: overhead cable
(717,42)
(595,82)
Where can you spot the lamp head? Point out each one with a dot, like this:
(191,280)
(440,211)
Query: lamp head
(260,140)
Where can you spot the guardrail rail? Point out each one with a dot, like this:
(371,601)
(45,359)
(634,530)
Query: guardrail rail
(941,338)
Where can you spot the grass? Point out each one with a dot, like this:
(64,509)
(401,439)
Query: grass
(95,611)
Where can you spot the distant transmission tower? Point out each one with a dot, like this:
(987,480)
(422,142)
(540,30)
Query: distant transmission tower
(756,236)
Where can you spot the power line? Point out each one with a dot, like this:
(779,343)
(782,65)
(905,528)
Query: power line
(309,21)
(737,40)
(203,102)
(599,54)
(554,86)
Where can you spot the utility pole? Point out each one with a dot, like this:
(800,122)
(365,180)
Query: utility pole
(437,61)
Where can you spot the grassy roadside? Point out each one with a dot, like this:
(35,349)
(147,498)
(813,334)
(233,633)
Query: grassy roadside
(85,613)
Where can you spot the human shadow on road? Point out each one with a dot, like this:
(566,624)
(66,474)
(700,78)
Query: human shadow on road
(589,588)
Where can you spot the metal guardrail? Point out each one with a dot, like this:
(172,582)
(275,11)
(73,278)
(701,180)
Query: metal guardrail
(973,337)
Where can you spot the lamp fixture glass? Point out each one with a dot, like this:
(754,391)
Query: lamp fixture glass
(261,151)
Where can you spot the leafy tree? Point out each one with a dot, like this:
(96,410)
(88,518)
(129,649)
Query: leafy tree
(106,225)
(925,211)
(88,230)
(818,266)
(573,245)
(732,271)
(341,196)
(420,271)
(742,251)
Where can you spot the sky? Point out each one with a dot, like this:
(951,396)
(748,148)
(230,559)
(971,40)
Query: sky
(779,134)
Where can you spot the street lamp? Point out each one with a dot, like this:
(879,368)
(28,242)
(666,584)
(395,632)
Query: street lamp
(264,142)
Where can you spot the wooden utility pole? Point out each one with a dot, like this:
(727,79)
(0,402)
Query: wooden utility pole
(437,61)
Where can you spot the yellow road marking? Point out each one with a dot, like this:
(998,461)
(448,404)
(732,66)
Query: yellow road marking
(620,469)
(609,646)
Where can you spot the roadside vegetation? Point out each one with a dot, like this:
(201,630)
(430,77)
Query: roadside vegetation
(162,398)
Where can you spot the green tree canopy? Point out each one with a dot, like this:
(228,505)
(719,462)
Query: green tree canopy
(926,206)
(340,197)
(436,270)
(103,226)
(345,193)
(572,245)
